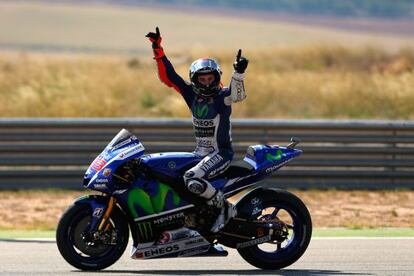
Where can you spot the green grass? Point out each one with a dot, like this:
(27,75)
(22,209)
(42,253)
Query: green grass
(20,234)
(322,232)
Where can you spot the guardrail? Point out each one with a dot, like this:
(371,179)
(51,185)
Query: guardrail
(358,154)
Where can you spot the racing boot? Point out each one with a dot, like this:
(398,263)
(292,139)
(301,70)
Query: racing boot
(227,210)
(215,199)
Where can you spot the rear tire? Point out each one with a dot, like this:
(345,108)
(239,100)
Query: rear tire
(89,256)
(301,229)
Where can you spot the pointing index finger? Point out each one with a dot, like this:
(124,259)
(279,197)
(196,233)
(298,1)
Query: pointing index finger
(238,55)
(157,30)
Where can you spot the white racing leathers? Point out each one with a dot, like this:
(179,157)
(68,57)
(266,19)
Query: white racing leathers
(238,93)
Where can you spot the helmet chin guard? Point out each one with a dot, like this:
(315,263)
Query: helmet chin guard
(205,66)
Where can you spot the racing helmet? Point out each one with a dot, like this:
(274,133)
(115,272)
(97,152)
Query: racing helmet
(204,66)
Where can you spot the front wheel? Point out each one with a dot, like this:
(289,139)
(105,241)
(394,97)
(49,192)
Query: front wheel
(91,250)
(281,207)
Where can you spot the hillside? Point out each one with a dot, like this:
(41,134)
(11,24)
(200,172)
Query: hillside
(91,28)
(333,8)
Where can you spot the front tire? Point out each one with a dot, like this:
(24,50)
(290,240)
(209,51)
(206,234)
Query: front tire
(300,231)
(84,254)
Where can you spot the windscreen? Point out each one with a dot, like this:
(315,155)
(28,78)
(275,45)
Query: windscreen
(122,138)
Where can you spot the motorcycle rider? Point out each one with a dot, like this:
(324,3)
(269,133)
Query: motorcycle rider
(210,104)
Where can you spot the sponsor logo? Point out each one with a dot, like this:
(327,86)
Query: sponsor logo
(275,157)
(139,255)
(98,212)
(203,123)
(211,162)
(161,251)
(98,163)
(168,218)
(255,201)
(182,235)
(107,172)
(184,246)
(204,143)
(171,165)
(105,155)
(219,170)
(201,111)
(176,235)
(275,167)
(194,251)
(165,237)
(253,242)
(101,180)
(195,241)
(256,210)
(131,150)
(145,229)
(123,143)
(100,186)
(204,132)
(119,192)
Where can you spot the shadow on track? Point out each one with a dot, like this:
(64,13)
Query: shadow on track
(237,272)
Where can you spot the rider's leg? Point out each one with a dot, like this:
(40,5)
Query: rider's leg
(196,182)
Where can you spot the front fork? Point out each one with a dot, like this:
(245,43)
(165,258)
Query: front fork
(101,211)
(98,230)
(104,225)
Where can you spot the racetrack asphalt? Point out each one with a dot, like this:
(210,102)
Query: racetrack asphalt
(325,256)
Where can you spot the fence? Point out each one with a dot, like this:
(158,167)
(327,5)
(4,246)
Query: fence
(44,153)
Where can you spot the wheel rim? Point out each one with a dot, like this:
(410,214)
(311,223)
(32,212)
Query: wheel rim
(79,243)
(277,249)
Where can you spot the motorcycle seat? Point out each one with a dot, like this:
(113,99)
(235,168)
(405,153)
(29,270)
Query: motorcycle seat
(237,168)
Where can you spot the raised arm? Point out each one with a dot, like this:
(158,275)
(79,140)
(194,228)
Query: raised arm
(238,92)
(166,72)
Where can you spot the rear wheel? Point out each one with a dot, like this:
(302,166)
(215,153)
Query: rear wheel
(89,250)
(284,208)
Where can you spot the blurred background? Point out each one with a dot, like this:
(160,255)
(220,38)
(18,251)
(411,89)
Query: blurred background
(309,59)
(313,59)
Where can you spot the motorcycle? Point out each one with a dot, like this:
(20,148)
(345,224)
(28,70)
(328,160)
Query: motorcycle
(145,194)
